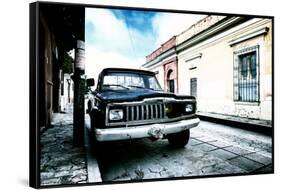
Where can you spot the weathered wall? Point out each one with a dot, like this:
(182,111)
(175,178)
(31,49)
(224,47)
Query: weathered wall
(171,65)
(161,70)
(162,66)
(214,71)
(46,69)
(198,27)
(164,47)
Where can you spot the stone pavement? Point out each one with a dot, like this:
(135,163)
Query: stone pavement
(213,150)
(252,150)
(60,162)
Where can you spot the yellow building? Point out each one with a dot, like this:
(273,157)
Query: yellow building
(226,62)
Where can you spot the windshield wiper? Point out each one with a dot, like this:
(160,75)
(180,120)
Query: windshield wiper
(136,86)
(141,87)
(118,85)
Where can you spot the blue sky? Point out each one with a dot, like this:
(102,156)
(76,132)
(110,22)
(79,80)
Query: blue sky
(140,20)
(122,38)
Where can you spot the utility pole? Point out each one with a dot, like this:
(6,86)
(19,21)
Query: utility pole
(79,80)
(79,88)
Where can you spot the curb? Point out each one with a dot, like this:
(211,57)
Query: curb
(264,129)
(94,174)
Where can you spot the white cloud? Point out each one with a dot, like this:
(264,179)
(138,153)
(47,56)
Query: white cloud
(111,44)
(96,60)
(109,32)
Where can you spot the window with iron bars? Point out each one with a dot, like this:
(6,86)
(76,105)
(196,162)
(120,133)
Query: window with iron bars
(246,75)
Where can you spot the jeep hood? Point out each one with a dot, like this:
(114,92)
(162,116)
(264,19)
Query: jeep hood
(136,95)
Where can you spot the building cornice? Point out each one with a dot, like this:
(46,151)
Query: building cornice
(209,32)
(245,37)
(223,25)
(160,58)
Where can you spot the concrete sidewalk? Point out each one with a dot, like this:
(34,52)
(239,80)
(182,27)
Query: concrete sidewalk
(61,163)
(94,174)
(262,126)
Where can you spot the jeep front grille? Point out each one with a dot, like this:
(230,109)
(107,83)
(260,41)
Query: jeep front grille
(145,112)
(149,111)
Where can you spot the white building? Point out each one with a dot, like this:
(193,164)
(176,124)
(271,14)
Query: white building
(226,62)
(67,91)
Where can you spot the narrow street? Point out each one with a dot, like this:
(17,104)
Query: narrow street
(213,149)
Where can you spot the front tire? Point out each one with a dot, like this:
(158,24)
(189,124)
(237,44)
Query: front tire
(179,139)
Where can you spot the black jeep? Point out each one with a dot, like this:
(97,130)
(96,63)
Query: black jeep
(130,104)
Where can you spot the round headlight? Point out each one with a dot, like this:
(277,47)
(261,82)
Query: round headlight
(188,108)
(116,114)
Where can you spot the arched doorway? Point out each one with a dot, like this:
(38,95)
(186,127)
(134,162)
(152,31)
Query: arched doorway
(171,75)
(170,81)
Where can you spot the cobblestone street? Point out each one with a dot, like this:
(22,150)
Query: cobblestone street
(213,150)
(61,163)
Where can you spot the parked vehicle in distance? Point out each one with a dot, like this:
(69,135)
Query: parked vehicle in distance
(130,104)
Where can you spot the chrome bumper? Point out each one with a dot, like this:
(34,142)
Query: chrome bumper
(141,131)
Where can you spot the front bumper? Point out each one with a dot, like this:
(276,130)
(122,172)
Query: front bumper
(141,131)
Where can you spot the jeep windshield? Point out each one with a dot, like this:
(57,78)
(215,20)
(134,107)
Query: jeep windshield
(128,81)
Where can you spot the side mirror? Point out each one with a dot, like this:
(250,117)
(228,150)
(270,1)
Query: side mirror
(90,82)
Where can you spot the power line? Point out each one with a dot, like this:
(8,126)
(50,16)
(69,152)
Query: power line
(130,36)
